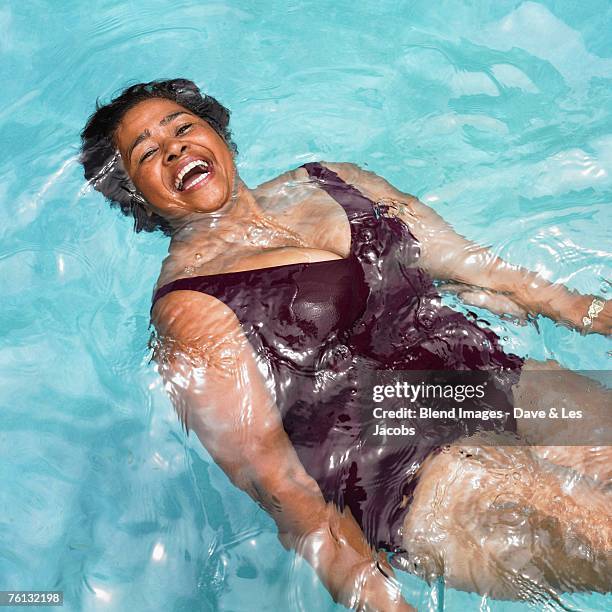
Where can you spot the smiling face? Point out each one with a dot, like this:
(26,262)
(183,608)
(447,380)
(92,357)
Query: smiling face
(175,159)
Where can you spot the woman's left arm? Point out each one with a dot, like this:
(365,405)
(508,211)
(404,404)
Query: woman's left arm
(447,255)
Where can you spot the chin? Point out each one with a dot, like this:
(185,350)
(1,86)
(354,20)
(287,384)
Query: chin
(212,200)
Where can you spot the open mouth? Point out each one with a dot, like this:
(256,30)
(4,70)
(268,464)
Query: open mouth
(193,174)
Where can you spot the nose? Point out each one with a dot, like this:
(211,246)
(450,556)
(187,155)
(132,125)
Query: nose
(174,149)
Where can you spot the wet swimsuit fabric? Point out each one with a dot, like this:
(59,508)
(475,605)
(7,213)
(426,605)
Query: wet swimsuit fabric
(321,329)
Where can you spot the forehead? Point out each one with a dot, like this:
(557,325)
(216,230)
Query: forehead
(145,115)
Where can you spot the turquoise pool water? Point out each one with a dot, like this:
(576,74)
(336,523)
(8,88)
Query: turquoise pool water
(497,114)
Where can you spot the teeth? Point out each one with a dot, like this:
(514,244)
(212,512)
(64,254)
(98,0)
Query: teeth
(178,182)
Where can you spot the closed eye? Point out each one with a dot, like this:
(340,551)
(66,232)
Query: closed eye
(147,154)
(183,129)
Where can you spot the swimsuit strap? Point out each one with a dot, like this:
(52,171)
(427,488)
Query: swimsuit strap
(349,197)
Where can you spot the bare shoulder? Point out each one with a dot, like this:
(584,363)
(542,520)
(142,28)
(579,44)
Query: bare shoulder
(270,187)
(196,322)
(369,183)
(377,188)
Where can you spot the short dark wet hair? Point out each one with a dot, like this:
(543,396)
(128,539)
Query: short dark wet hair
(101,160)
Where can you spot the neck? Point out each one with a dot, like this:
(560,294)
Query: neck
(241,208)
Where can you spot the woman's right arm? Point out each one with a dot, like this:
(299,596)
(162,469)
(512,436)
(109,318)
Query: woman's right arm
(211,374)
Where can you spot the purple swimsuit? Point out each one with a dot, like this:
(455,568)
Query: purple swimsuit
(322,329)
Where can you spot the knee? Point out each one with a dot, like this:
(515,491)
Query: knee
(470,520)
(483,518)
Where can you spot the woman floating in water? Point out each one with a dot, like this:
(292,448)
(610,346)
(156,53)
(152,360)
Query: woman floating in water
(277,307)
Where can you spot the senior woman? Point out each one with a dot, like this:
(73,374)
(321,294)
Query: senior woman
(274,308)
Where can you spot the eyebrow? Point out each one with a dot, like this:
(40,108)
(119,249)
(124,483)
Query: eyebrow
(146,134)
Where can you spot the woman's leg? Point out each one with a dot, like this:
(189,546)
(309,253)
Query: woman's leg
(503,522)
(582,444)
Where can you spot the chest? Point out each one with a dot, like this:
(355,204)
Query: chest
(319,221)
(299,225)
